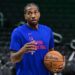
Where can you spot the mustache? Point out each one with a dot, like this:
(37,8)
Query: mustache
(33,20)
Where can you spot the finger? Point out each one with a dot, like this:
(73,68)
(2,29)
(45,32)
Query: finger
(57,70)
(32,43)
(64,64)
(64,58)
(61,67)
(31,48)
(31,51)
(28,46)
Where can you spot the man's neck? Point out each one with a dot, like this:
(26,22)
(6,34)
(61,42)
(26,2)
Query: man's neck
(33,27)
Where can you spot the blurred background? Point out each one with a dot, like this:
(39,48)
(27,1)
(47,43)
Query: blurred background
(57,14)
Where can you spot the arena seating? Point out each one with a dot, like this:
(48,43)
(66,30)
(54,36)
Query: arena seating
(6,67)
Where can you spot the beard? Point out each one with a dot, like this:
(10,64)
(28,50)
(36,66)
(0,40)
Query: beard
(33,23)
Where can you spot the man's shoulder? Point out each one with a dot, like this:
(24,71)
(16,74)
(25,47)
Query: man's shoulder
(45,27)
(19,28)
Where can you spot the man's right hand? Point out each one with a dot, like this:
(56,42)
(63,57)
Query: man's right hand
(30,47)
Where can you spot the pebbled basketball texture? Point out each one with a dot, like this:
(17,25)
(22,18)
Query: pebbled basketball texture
(53,60)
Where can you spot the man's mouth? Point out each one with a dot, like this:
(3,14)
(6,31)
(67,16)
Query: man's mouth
(33,20)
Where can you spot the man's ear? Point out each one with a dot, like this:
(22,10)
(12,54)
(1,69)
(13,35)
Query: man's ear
(39,14)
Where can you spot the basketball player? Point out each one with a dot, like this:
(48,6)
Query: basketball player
(30,42)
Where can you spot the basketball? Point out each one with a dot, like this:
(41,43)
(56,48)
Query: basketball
(53,60)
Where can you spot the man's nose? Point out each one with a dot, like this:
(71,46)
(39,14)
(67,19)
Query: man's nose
(33,15)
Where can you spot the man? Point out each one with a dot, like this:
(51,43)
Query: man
(29,44)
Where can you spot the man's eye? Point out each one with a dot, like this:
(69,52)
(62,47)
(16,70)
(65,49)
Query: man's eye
(36,12)
(29,13)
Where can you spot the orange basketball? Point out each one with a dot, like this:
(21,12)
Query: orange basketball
(53,60)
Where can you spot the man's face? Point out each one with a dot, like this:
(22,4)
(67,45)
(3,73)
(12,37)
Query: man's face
(32,15)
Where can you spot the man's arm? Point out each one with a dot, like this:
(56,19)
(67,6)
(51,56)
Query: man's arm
(51,49)
(17,56)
